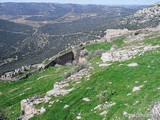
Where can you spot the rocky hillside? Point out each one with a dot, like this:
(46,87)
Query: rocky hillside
(147,17)
(111,79)
(115,77)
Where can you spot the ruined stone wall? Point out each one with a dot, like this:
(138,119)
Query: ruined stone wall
(62,60)
(113,33)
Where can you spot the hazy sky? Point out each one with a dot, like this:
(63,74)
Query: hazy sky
(105,2)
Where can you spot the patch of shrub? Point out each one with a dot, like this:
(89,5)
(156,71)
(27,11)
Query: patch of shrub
(99,52)
(68,74)
(90,55)
(2,116)
(76,69)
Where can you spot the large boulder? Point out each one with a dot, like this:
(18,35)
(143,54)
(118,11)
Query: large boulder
(28,109)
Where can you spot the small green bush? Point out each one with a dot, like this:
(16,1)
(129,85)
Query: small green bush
(76,69)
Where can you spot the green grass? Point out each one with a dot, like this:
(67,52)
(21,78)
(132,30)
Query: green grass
(105,45)
(14,92)
(119,78)
(123,80)
(152,39)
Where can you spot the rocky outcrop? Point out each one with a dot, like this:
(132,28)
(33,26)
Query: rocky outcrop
(127,53)
(132,65)
(147,17)
(155,112)
(28,109)
(139,35)
(61,60)
(111,34)
(59,87)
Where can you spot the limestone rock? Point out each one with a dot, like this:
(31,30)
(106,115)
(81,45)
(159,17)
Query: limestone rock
(132,65)
(66,106)
(155,112)
(28,110)
(137,88)
(124,54)
(42,110)
(103,113)
(86,99)
(78,117)
(104,65)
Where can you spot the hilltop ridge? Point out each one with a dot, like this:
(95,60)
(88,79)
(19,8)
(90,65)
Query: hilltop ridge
(147,17)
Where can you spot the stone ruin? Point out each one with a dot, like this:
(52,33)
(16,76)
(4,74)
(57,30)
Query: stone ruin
(126,53)
(114,33)
(60,88)
(13,75)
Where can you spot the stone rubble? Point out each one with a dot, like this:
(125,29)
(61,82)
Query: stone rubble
(103,108)
(78,117)
(114,33)
(13,75)
(126,53)
(155,112)
(60,89)
(103,113)
(28,109)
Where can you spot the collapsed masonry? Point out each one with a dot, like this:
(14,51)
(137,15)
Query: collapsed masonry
(25,71)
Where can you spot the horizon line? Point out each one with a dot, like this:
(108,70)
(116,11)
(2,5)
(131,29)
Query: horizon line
(85,4)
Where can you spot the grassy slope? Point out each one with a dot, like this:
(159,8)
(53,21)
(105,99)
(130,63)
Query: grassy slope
(11,92)
(106,45)
(123,80)
(120,80)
